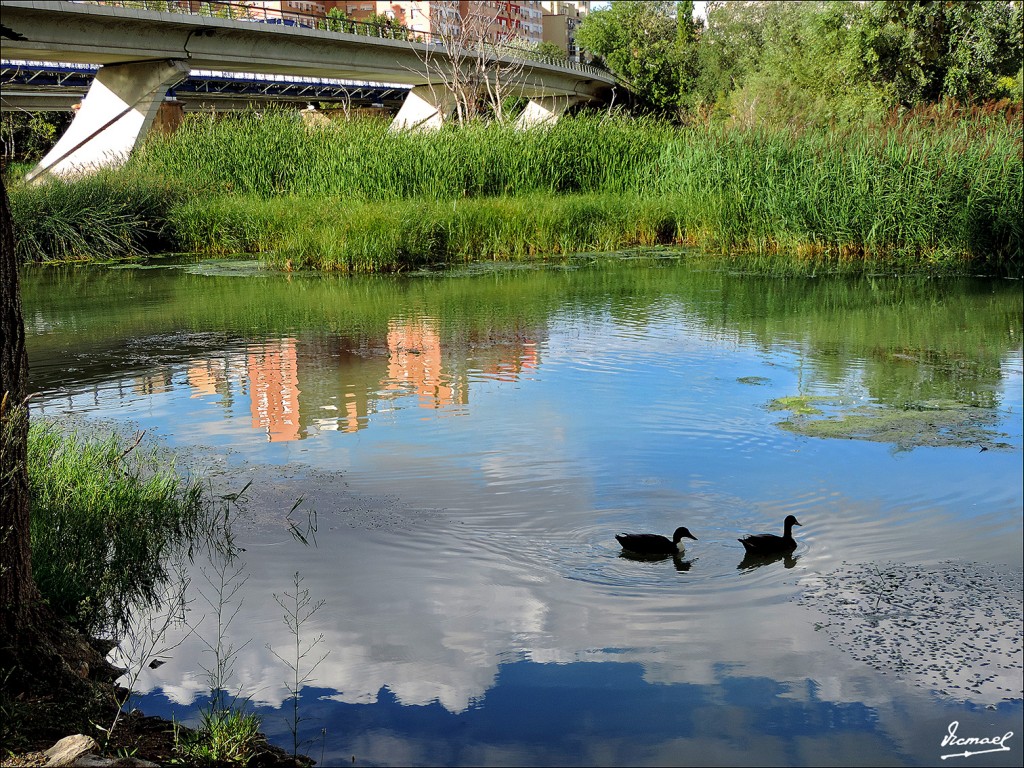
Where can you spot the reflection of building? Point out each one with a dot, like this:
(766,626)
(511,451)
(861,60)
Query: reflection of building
(414,351)
(207,377)
(153,383)
(345,379)
(507,361)
(274,390)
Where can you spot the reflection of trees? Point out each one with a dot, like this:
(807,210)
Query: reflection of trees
(896,341)
(899,341)
(906,377)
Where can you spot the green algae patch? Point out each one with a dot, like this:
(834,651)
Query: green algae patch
(932,423)
(798,405)
(226,268)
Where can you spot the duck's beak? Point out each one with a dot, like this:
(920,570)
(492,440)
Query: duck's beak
(691,536)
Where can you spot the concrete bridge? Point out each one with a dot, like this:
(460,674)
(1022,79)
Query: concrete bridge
(144,52)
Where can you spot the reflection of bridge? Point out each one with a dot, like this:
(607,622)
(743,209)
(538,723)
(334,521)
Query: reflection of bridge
(142,53)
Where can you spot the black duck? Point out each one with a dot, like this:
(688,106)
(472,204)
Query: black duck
(653,544)
(770,543)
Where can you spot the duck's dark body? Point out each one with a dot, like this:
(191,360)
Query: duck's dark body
(770,543)
(653,544)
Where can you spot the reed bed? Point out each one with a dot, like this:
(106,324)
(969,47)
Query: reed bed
(274,154)
(105,515)
(336,234)
(912,193)
(111,214)
(919,193)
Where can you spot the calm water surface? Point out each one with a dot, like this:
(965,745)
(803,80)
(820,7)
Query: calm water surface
(468,445)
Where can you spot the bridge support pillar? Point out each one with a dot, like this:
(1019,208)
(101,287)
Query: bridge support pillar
(114,117)
(169,116)
(424,109)
(545,110)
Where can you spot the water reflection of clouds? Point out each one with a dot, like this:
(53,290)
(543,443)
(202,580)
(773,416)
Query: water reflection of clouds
(590,714)
(443,635)
(490,619)
(438,641)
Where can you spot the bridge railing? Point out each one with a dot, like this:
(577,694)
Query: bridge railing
(332,22)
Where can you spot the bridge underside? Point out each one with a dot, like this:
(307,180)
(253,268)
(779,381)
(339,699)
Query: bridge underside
(33,86)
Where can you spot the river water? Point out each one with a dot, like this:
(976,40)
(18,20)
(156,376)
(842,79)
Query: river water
(440,464)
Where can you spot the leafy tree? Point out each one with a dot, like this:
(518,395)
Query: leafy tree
(688,54)
(388,26)
(809,69)
(926,51)
(27,136)
(17,590)
(730,48)
(338,21)
(637,41)
(549,50)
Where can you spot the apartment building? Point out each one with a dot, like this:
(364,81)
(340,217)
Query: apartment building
(521,21)
(286,9)
(561,19)
(429,17)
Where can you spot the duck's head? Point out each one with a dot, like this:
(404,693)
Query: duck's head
(680,533)
(791,521)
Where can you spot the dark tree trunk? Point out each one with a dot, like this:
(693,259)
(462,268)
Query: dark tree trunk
(17,590)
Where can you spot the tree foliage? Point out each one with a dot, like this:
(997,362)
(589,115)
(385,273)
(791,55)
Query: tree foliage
(931,50)
(813,61)
(638,42)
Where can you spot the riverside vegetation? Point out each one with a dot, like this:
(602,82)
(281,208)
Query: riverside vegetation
(111,524)
(936,189)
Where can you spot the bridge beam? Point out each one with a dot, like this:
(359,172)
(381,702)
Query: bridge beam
(425,108)
(115,116)
(545,110)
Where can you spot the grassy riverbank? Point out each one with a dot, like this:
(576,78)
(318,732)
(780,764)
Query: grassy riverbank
(110,520)
(937,191)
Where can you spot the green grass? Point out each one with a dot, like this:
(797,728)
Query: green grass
(385,236)
(226,737)
(275,154)
(104,517)
(112,214)
(934,192)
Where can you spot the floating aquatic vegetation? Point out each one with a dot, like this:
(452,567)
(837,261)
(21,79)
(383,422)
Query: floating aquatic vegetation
(954,628)
(225,268)
(931,423)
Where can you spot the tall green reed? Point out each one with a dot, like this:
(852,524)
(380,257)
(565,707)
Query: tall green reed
(276,154)
(105,516)
(104,215)
(921,192)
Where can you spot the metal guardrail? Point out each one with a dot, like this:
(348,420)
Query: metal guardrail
(260,14)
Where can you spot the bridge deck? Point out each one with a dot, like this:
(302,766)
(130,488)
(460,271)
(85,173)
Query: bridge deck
(106,34)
